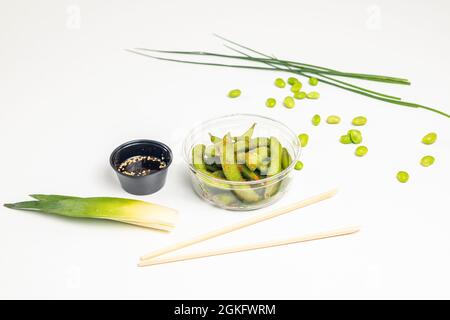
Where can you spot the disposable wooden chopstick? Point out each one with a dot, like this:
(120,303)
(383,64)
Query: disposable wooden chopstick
(240,225)
(248,247)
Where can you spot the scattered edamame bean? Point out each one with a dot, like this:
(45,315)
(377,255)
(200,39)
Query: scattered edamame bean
(289,102)
(234,93)
(315,120)
(402,176)
(355,136)
(292,80)
(271,102)
(333,119)
(313,81)
(427,161)
(345,139)
(361,151)
(359,121)
(300,95)
(298,165)
(296,87)
(313,95)
(280,83)
(429,138)
(303,138)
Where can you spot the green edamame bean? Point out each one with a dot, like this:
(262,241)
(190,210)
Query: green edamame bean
(280,83)
(429,138)
(298,165)
(359,121)
(296,87)
(271,102)
(361,151)
(345,139)
(234,93)
(402,176)
(313,81)
(355,136)
(333,119)
(300,95)
(303,138)
(315,120)
(427,161)
(313,95)
(289,102)
(292,80)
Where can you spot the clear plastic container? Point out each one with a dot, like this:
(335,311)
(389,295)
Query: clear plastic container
(241,195)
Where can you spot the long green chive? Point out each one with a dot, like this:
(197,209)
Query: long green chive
(322,74)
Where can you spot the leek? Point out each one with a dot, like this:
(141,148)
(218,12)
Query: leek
(129,211)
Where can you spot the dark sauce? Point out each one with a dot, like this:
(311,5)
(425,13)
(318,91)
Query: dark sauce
(139,166)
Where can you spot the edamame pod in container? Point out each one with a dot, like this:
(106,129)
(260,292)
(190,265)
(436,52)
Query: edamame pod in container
(286,159)
(247,173)
(232,173)
(258,159)
(198,157)
(274,167)
(247,160)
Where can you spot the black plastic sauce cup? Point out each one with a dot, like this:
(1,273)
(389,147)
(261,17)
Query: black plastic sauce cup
(147,184)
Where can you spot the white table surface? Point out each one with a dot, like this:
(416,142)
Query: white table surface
(70,94)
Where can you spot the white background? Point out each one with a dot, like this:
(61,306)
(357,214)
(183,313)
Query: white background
(70,94)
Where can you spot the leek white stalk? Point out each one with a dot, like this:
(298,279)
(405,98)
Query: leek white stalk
(136,212)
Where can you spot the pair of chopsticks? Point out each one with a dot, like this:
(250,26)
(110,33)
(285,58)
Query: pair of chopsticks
(149,259)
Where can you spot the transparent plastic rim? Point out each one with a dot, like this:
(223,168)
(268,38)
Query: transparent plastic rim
(278,176)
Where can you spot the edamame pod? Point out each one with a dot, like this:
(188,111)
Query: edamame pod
(225,198)
(275,157)
(251,159)
(257,159)
(232,172)
(198,157)
(274,166)
(214,139)
(286,159)
(218,174)
(246,135)
(247,173)
(212,167)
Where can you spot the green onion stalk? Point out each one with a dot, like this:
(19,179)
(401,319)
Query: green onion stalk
(270,63)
